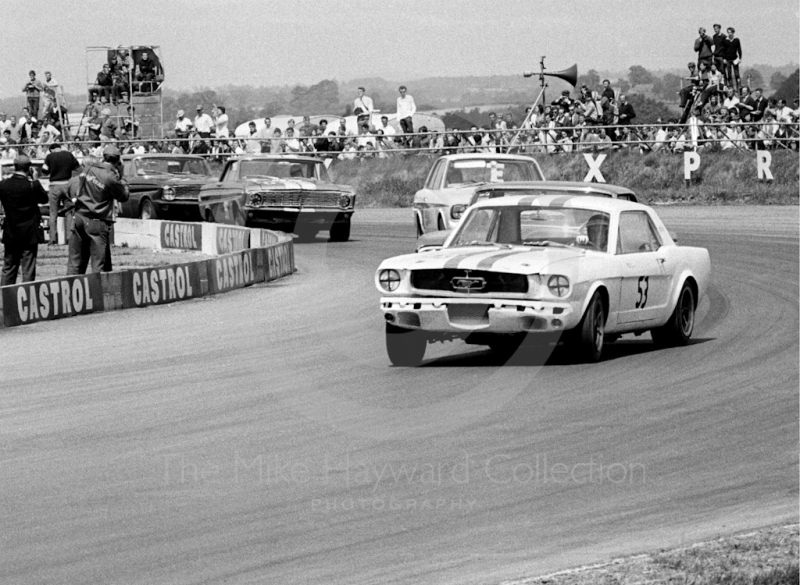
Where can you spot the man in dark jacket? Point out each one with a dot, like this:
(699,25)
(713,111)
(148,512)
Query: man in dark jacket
(733,56)
(626,112)
(702,46)
(719,40)
(59,164)
(93,192)
(20,197)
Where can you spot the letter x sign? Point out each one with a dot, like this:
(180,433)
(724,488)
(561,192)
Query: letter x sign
(594,173)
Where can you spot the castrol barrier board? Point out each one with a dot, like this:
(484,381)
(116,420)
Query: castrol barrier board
(237,265)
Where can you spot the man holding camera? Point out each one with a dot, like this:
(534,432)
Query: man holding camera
(93,192)
(20,197)
(33,89)
(702,46)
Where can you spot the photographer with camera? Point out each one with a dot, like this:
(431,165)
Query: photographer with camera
(702,46)
(20,197)
(93,192)
(33,89)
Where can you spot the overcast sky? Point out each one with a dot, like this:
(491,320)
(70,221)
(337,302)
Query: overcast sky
(285,42)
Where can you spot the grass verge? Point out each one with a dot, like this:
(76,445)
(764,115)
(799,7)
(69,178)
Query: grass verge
(723,177)
(765,557)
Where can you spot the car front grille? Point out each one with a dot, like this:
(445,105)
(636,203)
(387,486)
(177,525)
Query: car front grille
(483,281)
(300,199)
(186,191)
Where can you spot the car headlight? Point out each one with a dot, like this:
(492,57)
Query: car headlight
(168,193)
(457,211)
(345,201)
(389,280)
(255,199)
(558,285)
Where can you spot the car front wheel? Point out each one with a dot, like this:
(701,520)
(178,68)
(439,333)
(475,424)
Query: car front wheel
(678,330)
(147,210)
(405,347)
(340,232)
(589,335)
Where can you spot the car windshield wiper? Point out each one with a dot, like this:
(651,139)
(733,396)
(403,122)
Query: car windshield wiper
(544,243)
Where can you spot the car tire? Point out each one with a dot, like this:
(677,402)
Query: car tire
(678,330)
(405,347)
(340,232)
(588,335)
(147,210)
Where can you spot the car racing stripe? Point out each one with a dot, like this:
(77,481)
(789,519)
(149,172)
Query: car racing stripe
(489,262)
(456,260)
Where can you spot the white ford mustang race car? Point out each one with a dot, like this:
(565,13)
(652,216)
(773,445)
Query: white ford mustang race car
(579,269)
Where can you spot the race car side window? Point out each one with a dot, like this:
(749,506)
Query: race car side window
(636,233)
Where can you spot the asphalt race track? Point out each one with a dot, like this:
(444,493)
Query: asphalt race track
(262,436)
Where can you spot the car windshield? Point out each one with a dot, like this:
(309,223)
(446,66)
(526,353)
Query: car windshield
(463,172)
(534,226)
(282,169)
(172,166)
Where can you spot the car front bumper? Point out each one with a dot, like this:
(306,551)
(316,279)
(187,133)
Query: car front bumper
(294,215)
(467,315)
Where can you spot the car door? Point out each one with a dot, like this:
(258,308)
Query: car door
(645,286)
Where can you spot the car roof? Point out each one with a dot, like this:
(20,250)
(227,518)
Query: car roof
(276,157)
(161,155)
(576,187)
(605,204)
(485,156)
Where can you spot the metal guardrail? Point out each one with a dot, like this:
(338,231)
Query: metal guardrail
(542,140)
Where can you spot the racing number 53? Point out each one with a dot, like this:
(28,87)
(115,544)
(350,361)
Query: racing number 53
(644,286)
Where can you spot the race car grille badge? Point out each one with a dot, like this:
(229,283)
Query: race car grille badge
(468,284)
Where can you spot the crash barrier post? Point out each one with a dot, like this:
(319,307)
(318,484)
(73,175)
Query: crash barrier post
(242,257)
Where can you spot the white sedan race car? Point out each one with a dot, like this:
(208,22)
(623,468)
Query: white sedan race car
(580,269)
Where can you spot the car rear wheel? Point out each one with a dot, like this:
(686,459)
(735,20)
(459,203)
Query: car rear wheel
(405,347)
(589,335)
(678,330)
(340,232)
(147,210)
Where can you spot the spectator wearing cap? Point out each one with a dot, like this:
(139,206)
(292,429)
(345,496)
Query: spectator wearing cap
(33,90)
(406,108)
(203,123)
(108,126)
(733,56)
(93,192)
(183,126)
(59,164)
(20,197)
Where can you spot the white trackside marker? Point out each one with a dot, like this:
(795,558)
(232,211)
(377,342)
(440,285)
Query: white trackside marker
(594,168)
(763,162)
(691,162)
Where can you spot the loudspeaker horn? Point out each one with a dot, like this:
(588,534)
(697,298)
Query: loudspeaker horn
(570,75)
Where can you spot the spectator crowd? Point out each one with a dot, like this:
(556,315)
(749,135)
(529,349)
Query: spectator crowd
(717,112)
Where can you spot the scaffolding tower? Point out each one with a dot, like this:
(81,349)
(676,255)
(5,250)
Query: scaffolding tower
(134,98)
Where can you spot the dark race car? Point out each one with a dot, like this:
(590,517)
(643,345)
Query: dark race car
(285,192)
(165,186)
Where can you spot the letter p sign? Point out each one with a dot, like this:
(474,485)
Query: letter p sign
(691,162)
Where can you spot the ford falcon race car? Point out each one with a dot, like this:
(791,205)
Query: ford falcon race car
(453,179)
(433,240)
(285,192)
(582,270)
(164,186)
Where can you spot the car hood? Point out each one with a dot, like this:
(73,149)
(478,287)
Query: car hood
(275,183)
(515,260)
